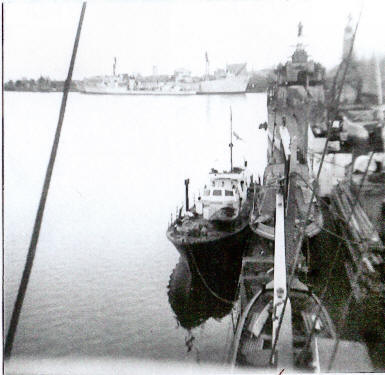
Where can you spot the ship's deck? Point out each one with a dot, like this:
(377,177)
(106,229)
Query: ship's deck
(196,228)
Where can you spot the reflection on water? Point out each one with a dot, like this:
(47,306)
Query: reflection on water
(192,302)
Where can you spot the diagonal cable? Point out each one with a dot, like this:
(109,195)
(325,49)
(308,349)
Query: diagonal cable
(302,233)
(43,198)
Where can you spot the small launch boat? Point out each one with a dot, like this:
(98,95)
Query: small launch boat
(212,234)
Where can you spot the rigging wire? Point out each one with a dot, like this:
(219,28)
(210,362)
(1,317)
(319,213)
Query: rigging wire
(322,201)
(358,274)
(360,187)
(345,310)
(346,62)
(316,156)
(347,304)
(43,198)
(321,299)
(335,214)
(340,237)
(226,346)
(336,100)
(274,128)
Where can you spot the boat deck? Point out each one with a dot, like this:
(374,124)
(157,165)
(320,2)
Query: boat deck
(195,228)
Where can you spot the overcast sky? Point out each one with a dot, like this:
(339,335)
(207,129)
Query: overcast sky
(39,35)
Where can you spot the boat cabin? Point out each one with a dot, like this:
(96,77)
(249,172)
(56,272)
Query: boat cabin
(223,196)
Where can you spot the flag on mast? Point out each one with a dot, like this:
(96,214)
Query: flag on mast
(237,136)
(300,26)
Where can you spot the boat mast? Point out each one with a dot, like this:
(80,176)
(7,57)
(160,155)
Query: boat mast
(114,67)
(207,66)
(231,140)
(379,89)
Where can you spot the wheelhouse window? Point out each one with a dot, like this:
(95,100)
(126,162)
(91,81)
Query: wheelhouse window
(229,193)
(217,193)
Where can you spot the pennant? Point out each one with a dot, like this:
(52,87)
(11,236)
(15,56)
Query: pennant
(300,26)
(237,136)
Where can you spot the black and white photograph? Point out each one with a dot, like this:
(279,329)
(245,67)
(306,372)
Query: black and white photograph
(193,186)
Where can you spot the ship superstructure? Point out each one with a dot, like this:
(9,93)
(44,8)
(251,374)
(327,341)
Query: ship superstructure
(124,84)
(233,80)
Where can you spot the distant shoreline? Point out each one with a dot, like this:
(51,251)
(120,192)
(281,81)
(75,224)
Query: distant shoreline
(40,85)
(39,91)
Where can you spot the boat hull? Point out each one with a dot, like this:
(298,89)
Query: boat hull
(124,91)
(219,257)
(236,85)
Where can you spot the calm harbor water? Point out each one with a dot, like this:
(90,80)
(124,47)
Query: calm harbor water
(99,282)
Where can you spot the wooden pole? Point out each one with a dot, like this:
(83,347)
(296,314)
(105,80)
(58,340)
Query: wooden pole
(231,140)
(40,212)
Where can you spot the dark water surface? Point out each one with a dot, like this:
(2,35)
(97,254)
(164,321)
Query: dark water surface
(99,282)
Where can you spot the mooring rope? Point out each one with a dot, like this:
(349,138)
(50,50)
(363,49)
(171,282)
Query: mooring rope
(225,300)
(40,212)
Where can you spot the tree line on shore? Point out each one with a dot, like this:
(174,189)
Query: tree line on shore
(43,84)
